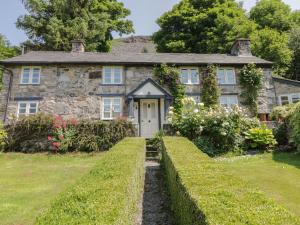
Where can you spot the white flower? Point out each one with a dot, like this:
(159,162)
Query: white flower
(196,111)
(223,133)
(201,104)
(170,120)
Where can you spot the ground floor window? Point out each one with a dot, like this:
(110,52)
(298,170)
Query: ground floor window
(289,98)
(27,108)
(112,108)
(229,100)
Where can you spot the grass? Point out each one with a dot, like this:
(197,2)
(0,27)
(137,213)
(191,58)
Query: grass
(204,191)
(277,175)
(108,194)
(29,182)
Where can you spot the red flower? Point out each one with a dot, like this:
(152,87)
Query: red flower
(56,144)
(61,137)
(50,138)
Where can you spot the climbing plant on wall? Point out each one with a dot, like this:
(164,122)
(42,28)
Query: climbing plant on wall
(170,76)
(251,79)
(210,91)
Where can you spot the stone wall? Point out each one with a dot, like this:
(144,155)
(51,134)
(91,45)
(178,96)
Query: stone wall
(284,86)
(71,91)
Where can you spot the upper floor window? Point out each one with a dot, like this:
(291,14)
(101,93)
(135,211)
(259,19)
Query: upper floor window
(226,76)
(31,75)
(289,98)
(189,76)
(27,108)
(112,108)
(113,75)
(229,100)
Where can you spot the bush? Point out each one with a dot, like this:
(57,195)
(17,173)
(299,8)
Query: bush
(281,134)
(215,130)
(3,137)
(281,113)
(109,194)
(260,138)
(204,192)
(294,123)
(47,133)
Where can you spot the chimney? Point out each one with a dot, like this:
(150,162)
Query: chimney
(78,46)
(241,47)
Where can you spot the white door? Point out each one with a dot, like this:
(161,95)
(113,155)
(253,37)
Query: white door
(149,118)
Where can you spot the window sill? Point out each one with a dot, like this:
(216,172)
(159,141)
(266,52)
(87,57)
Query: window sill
(29,84)
(112,84)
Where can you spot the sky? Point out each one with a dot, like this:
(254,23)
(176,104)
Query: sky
(143,14)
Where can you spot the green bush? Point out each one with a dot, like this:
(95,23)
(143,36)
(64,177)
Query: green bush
(204,192)
(260,138)
(109,194)
(294,123)
(3,137)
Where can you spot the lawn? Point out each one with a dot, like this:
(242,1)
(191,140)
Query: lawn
(277,174)
(28,183)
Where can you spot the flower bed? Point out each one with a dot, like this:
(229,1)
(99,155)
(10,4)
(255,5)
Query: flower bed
(204,192)
(109,194)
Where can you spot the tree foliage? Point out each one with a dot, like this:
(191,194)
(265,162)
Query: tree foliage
(202,26)
(51,25)
(210,91)
(272,45)
(273,14)
(294,44)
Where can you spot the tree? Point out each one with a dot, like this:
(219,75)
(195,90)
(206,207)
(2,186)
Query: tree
(202,26)
(53,24)
(272,45)
(273,14)
(294,44)
(296,17)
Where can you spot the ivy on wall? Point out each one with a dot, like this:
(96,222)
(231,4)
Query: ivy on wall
(170,76)
(251,79)
(210,91)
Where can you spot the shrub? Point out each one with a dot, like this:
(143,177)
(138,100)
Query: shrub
(204,192)
(281,134)
(281,113)
(29,134)
(215,130)
(260,138)
(109,194)
(294,123)
(210,91)
(3,137)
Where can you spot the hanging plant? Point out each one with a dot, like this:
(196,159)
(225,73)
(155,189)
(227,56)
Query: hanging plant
(170,76)
(251,79)
(210,91)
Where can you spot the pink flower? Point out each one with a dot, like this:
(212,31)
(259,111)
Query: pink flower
(73,121)
(56,144)
(50,138)
(61,137)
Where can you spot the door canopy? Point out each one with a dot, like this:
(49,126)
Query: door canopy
(149,89)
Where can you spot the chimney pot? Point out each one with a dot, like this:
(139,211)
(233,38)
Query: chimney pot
(241,47)
(78,46)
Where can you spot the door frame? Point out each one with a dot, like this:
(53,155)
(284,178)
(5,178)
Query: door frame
(159,113)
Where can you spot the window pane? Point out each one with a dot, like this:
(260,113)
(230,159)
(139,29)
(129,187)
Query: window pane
(36,76)
(194,77)
(117,77)
(295,98)
(106,115)
(25,76)
(117,105)
(116,114)
(22,108)
(184,76)
(284,100)
(232,100)
(223,101)
(107,76)
(106,105)
(230,76)
(221,76)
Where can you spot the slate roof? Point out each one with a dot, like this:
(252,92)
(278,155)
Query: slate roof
(286,81)
(56,57)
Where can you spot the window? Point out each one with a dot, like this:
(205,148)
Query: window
(112,75)
(112,108)
(189,76)
(289,98)
(27,108)
(30,75)
(228,100)
(226,76)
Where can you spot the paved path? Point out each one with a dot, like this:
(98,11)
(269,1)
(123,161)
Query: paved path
(155,207)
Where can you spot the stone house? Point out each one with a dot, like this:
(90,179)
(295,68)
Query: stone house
(110,85)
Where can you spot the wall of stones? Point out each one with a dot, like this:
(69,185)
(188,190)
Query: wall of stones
(284,87)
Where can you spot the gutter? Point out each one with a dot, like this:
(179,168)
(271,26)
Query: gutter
(8,92)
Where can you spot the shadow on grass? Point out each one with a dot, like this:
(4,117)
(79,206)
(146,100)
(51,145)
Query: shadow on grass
(292,158)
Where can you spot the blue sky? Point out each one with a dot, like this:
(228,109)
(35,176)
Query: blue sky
(143,14)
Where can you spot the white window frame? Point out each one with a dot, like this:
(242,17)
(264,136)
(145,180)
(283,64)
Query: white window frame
(226,76)
(27,113)
(31,69)
(112,74)
(111,108)
(289,96)
(189,69)
(230,96)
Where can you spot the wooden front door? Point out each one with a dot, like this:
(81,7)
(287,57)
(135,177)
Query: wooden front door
(149,117)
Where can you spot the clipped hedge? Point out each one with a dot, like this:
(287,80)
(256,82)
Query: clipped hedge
(203,192)
(109,194)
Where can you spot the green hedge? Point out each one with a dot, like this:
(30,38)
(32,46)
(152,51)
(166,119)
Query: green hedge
(109,194)
(203,192)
